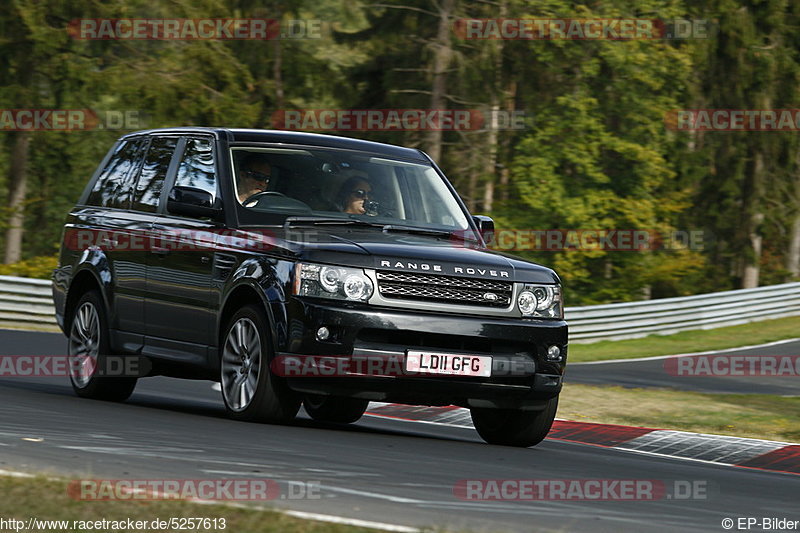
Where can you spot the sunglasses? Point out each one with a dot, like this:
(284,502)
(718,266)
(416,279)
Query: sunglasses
(361,194)
(255,174)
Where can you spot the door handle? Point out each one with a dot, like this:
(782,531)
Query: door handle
(159,250)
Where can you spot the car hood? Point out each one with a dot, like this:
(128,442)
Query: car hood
(399,251)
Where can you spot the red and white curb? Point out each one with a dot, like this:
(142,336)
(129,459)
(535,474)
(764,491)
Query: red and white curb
(718,449)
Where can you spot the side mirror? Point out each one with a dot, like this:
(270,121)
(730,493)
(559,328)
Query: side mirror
(485,227)
(192,202)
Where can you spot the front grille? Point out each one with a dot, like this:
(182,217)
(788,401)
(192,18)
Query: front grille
(445,289)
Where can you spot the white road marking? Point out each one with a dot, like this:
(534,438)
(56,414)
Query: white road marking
(11,473)
(375,495)
(351,521)
(233,473)
(710,352)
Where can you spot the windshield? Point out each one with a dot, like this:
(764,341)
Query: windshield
(272,184)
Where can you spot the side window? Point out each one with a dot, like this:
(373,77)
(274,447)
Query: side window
(114,185)
(197,167)
(154,170)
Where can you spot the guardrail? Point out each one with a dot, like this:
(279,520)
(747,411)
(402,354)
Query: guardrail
(25,300)
(671,315)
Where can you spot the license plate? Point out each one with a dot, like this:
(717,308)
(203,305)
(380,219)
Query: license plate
(448,364)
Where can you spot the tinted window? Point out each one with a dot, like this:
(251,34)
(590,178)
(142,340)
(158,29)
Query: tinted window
(197,166)
(154,170)
(342,184)
(113,187)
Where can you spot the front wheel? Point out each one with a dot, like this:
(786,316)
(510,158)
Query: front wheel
(88,353)
(250,391)
(334,408)
(514,427)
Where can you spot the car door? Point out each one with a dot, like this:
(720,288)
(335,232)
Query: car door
(179,320)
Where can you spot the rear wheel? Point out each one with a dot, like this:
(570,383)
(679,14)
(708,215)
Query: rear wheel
(88,351)
(513,427)
(250,391)
(334,408)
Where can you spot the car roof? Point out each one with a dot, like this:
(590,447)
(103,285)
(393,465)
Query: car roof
(290,137)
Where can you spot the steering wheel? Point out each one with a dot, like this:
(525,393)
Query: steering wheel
(254,198)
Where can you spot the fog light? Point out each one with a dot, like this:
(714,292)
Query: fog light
(554,353)
(323,334)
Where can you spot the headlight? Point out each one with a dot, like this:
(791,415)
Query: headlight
(540,301)
(341,283)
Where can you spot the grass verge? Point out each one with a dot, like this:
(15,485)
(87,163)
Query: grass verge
(759,416)
(47,499)
(688,341)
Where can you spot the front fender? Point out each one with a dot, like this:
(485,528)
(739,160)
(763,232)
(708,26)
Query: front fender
(268,279)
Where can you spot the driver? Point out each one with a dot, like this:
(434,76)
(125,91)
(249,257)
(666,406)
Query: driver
(253,177)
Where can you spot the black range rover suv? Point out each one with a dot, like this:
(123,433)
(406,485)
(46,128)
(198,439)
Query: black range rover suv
(297,268)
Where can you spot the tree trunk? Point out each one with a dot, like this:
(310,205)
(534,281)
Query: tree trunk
(505,173)
(443,52)
(754,218)
(492,147)
(751,266)
(472,184)
(793,254)
(17,183)
(491,160)
(277,68)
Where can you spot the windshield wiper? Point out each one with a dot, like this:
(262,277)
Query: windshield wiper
(386,228)
(427,231)
(313,221)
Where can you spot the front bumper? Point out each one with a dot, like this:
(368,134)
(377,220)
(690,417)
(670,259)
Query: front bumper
(521,377)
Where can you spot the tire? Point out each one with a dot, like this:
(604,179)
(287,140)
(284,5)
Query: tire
(88,350)
(250,391)
(512,427)
(334,408)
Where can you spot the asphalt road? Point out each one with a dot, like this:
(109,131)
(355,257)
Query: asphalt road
(381,470)
(652,373)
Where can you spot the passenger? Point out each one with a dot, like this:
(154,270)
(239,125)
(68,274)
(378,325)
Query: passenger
(354,195)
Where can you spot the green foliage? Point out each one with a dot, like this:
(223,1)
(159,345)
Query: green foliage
(595,153)
(36,267)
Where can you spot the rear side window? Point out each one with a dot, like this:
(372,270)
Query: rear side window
(113,187)
(197,167)
(154,170)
